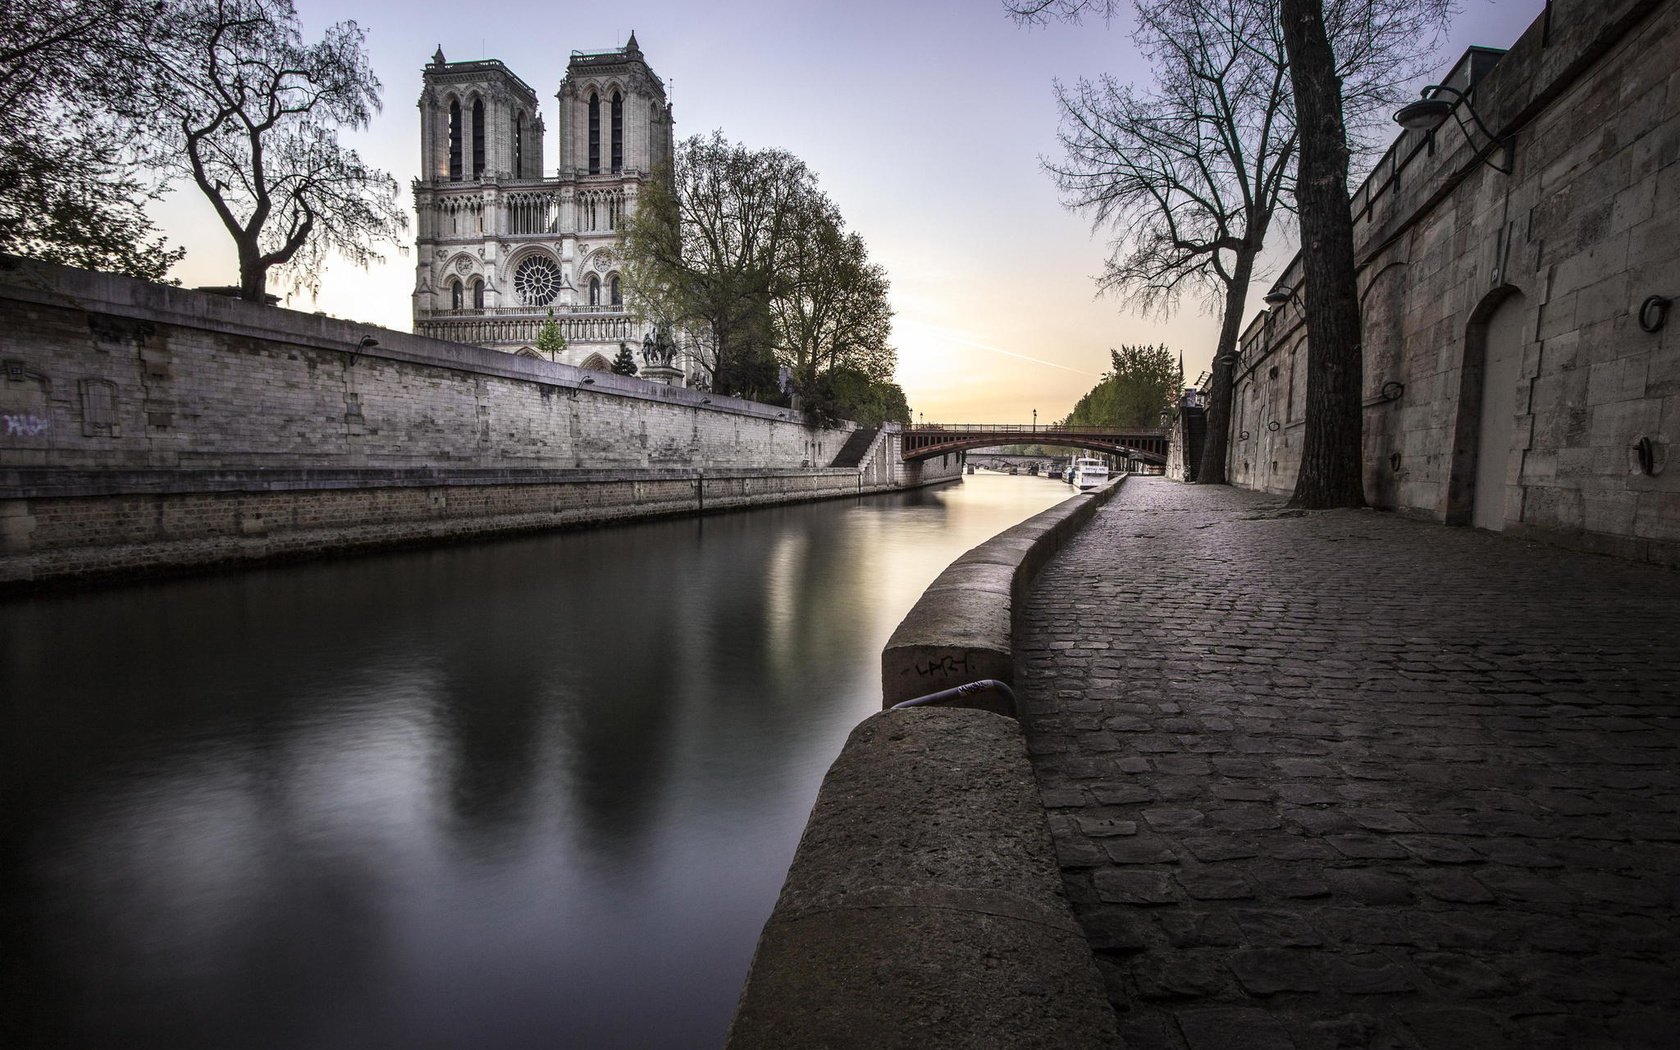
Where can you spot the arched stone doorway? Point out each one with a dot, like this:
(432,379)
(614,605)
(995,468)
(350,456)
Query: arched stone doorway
(1491,397)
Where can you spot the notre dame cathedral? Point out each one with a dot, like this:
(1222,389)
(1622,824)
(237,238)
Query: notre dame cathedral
(499,245)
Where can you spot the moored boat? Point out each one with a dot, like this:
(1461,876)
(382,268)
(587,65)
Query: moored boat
(1089,473)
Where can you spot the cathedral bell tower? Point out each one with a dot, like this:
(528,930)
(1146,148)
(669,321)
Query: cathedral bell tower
(614,117)
(501,248)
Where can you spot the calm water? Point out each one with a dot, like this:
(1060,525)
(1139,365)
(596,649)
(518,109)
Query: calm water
(538,792)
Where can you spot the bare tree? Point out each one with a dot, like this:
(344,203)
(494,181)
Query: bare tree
(257,112)
(1189,175)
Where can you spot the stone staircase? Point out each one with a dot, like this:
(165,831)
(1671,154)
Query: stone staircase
(857,447)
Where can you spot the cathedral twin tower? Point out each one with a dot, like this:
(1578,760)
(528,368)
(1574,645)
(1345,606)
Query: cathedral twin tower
(499,245)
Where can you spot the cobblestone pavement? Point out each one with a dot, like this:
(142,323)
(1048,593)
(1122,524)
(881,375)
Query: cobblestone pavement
(1343,779)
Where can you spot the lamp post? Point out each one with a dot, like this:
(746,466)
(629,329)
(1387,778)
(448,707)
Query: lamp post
(1035,420)
(1431,111)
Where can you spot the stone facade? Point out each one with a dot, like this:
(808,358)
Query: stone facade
(1509,382)
(498,244)
(144,427)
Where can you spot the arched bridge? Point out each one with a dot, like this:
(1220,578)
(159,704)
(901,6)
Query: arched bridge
(922,440)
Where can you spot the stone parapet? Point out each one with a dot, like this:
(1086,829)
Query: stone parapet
(924,908)
(147,429)
(963,627)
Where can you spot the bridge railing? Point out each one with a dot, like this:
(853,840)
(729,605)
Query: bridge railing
(1047,428)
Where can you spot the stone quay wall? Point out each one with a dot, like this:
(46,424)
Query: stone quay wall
(1561,254)
(924,905)
(145,428)
(963,628)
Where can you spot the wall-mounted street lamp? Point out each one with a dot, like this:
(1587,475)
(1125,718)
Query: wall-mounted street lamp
(1277,297)
(366,342)
(588,380)
(1431,111)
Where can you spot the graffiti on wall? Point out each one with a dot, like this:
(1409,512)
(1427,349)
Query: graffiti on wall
(25,425)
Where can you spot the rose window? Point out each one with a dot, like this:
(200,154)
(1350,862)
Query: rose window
(537,281)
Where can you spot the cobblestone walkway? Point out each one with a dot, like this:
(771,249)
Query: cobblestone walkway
(1347,780)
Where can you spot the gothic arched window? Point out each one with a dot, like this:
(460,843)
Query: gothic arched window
(594,291)
(454,140)
(617,132)
(455,295)
(617,295)
(477,294)
(519,145)
(478,138)
(594,134)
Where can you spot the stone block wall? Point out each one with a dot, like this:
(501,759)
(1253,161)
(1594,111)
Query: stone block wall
(103,372)
(145,428)
(1564,250)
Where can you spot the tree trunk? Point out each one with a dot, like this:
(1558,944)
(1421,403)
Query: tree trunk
(1331,456)
(253,277)
(1211,469)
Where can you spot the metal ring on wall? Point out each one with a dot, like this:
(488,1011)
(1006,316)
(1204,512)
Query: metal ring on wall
(1653,312)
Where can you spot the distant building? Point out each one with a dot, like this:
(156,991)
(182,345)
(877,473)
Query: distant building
(499,243)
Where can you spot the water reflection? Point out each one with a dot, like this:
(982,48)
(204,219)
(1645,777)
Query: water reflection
(539,792)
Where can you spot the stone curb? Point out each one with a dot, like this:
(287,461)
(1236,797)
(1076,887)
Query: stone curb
(924,908)
(962,629)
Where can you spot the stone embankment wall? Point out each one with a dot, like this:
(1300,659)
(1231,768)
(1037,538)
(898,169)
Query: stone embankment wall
(1557,257)
(145,428)
(962,629)
(925,906)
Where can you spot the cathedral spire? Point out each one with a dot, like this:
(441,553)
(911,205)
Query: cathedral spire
(631,48)
(437,56)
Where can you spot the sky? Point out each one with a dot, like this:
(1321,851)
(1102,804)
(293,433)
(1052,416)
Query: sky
(925,120)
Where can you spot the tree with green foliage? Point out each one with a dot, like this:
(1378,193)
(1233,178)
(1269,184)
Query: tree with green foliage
(1143,382)
(847,393)
(624,364)
(78,163)
(550,343)
(255,112)
(700,252)
(743,251)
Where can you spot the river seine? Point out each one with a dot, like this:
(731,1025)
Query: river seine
(536,792)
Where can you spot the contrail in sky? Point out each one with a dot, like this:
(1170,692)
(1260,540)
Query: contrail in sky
(948,334)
